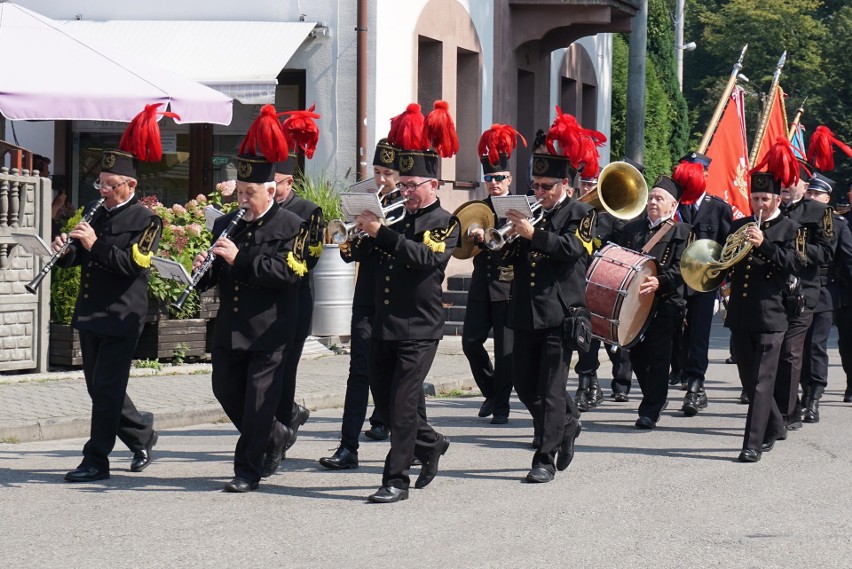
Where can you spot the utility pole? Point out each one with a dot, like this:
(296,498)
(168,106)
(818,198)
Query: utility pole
(679,41)
(635,135)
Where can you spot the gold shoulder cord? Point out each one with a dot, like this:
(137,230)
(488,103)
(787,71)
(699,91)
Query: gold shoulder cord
(316,230)
(296,257)
(828,223)
(435,239)
(584,231)
(142,249)
(802,243)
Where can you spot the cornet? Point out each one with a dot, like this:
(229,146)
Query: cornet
(495,239)
(340,231)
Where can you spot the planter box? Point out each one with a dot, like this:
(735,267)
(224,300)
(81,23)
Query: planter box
(157,311)
(64,346)
(160,339)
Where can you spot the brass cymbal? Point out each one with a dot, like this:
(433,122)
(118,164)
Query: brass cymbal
(471,214)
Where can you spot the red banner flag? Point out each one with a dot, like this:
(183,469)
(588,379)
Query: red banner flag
(777,125)
(728,174)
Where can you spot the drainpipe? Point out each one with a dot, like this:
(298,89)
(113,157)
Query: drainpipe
(361,91)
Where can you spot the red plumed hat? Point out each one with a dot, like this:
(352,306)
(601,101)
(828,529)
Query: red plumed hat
(439,131)
(265,137)
(566,131)
(588,158)
(781,162)
(301,131)
(500,139)
(142,136)
(406,130)
(690,177)
(820,152)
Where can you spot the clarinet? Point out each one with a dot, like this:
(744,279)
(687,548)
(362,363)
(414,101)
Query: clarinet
(208,261)
(33,285)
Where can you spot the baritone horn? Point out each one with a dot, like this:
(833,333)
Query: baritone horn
(622,191)
(472,215)
(705,264)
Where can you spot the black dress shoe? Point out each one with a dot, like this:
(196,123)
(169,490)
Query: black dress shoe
(342,459)
(582,400)
(416,462)
(388,494)
(241,485)
(767,446)
(645,423)
(812,411)
(620,397)
(430,467)
(272,459)
(142,458)
(86,474)
(744,398)
(674,379)
(486,409)
(298,417)
(730,360)
(847,397)
(539,475)
(566,449)
(749,455)
(694,402)
(377,433)
(794,426)
(499,419)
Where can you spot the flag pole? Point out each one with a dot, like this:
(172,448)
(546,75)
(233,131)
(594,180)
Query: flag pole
(767,110)
(796,120)
(723,100)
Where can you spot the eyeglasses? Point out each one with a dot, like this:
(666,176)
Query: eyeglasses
(495,177)
(109,187)
(410,186)
(545,187)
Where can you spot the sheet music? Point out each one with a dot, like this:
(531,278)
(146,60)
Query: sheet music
(354,204)
(171,270)
(211,214)
(367,186)
(502,205)
(33,244)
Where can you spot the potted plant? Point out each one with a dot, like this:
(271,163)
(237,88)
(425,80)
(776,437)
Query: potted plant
(332,279)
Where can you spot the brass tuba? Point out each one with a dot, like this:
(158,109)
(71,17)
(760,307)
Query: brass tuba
(621,190)
(704,264)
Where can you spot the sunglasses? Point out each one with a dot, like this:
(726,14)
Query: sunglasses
(537,186)
(495,177)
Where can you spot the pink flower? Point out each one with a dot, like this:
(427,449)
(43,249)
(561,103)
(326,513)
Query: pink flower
(201,198)
(193,230)
(227,187)
(178,209)
(178,230)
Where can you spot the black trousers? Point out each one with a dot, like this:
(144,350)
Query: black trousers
(757,356)
(290,367)
(106,367)
(248,386)
(398,368)
(358,384)
(494,380)
(790,366)
(694,343)
(589,362)
(539,370)
(651,358)
(843,319)
(814,378)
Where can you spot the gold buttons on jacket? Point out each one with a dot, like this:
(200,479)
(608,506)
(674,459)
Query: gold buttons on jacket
(387,302)
(532,274)
(387,278)
(236,309)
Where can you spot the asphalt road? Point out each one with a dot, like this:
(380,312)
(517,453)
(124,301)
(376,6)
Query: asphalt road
(673,497)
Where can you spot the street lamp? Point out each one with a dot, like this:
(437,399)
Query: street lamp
(680,49)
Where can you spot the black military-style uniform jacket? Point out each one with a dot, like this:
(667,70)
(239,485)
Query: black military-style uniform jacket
(485,282)
(259,292)
(113,298)
(758,281)
(608,229)
(836,284)
(712,220)
(667,252)
(411,259)
(550,268)
(818,224)
(311,213)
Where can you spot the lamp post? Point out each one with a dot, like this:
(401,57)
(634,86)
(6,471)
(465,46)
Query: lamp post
(679,47)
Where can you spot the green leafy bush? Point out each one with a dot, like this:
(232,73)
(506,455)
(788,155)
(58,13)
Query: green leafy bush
(65,283)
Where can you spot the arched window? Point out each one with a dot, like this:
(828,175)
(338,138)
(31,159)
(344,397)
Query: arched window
(578,88)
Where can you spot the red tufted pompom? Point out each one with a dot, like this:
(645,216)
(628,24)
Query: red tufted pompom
(497,140)
(406,130)
(142,136)
(301,131)
(265,136)
(690,177)
(820,151)
(439,130)
(781,162)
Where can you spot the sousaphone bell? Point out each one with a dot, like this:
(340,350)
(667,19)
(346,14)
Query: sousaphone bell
(472,215)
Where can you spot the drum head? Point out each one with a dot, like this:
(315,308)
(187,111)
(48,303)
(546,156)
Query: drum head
(635,309)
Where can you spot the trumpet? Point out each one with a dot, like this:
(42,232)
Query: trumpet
(341,232)
(208,261)
(33,285)
(495,239)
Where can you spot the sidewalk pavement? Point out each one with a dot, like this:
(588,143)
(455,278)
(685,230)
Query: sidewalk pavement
(55,405)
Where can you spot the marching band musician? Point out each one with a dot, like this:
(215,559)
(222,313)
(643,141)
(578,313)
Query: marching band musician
(757,314)
(114,250)
(659,236)
(412,256)
(818,227)
(710,218)
(386,175)
(490,287)
(548,299)
(843,314)
(815,366)
(258,269)
(302,136)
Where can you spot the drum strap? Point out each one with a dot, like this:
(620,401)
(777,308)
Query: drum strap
(667,225)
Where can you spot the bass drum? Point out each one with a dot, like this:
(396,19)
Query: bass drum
(619,314)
